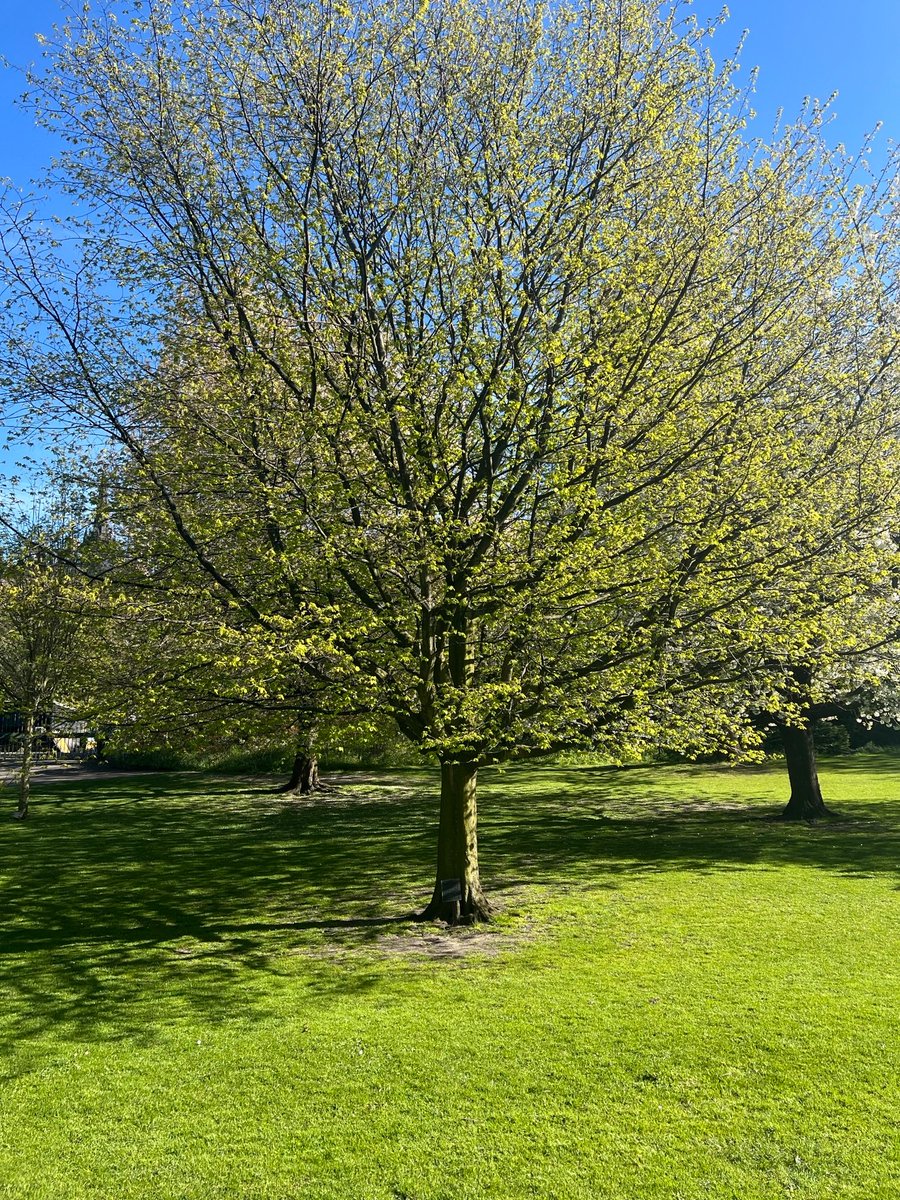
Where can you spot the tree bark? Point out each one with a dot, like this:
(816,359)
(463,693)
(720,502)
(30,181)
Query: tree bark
(304,775)
(25,774)
(806,803)
(305,770)
(458,898)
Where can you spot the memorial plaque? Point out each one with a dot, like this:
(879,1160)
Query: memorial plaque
(451,889)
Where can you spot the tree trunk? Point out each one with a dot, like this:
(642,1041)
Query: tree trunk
(305,771)
(304,775)
(25,774)
(457,898)
(806,803)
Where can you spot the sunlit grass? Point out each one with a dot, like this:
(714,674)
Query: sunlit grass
(208,991)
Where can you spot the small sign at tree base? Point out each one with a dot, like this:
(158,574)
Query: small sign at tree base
(451,890)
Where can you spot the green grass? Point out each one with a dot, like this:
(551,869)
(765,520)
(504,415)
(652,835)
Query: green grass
(210,991)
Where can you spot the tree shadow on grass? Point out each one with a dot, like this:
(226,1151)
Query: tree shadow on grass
(129,904)
(642,820)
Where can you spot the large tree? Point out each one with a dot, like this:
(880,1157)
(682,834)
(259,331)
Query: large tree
(464,348)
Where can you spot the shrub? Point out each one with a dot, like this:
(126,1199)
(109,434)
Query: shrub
(830,737)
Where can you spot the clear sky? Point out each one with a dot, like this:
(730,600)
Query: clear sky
(802,48)
(815,47)
(24,150)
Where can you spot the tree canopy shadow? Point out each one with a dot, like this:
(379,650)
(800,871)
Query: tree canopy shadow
(640,823)
(128,902)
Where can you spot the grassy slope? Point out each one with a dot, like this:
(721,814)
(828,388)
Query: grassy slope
(205,992)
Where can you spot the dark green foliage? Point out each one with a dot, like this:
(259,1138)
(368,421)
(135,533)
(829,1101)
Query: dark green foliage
(831,737)
(149,760)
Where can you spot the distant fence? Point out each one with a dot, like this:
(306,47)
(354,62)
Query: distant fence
(40,757)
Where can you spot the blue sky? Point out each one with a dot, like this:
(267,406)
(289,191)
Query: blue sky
(816,47)
(23,149)
(802,47)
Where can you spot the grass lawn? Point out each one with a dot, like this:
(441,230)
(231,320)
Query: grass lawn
(207,990)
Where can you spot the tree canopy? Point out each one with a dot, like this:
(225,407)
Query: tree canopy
(476,364)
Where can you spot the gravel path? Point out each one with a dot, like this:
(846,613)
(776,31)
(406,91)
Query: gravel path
(64,772)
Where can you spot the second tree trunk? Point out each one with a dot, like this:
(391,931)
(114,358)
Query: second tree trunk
(304,774)
(25,775)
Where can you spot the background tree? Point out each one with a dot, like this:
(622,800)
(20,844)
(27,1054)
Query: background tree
(48,626)
(847,672)
(174,677)
(844,600)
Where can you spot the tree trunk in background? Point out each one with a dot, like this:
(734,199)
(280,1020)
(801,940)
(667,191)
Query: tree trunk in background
(806,803)
(305,770)
(458,898)
(304,775)
(25,774)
